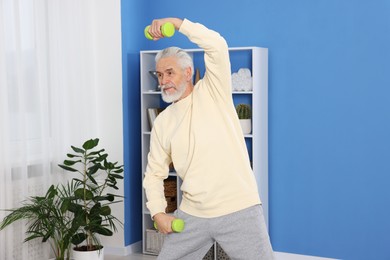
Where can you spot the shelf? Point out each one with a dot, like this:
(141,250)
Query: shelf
(242,92)
(151,92)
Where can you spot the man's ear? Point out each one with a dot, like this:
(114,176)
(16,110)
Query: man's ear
(188,73)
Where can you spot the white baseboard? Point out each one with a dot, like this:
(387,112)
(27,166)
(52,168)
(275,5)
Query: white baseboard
(123,251)
(289,256)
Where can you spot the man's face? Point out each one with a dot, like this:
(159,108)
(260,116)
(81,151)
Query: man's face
(172,79)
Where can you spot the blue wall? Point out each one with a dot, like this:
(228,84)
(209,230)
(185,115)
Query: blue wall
(329,114)
(131,15)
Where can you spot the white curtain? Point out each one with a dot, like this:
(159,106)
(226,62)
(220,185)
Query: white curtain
(47,101)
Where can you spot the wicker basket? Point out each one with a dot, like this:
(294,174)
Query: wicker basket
(154,241)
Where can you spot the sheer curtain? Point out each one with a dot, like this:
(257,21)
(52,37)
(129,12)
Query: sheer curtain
(47,101)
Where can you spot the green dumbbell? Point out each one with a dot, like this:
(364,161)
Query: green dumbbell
(177,225)
(167,30)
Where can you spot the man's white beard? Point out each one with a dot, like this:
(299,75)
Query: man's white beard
(169,98)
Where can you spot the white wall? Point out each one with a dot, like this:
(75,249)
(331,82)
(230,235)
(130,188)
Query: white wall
(109,98)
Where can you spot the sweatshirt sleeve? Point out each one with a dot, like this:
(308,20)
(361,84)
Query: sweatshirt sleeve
(156,171)
(218,72)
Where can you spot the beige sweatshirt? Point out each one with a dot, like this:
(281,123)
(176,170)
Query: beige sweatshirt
(201,135)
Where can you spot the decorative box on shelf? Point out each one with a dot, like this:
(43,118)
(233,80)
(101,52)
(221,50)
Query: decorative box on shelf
(170,191)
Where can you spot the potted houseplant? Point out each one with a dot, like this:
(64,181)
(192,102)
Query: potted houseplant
(47,219)
(90,201)
(78,212)
(244,115)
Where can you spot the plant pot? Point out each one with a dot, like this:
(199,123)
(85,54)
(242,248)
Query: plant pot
(88,255)
(246,126)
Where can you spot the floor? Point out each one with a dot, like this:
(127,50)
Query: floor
(130,257)
(278,256)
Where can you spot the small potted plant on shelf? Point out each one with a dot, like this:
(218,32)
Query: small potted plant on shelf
(47,220)
(245,117)
(90,201)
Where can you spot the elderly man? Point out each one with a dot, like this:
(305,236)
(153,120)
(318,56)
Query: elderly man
(200,133)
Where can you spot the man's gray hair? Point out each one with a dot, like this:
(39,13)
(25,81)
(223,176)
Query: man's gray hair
(183,58)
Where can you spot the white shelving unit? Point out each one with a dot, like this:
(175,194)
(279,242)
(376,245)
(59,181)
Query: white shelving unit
(254,58)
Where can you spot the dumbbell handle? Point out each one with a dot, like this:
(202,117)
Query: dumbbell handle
(167,30)
(177,225)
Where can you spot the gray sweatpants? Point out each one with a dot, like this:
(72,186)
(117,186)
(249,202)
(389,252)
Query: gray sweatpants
(242,235)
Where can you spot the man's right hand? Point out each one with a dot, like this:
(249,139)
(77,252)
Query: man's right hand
(164,222)
(155,26)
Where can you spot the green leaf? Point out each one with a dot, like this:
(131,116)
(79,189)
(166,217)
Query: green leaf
(79,220)
(75,208)
(95,210)
(93,169)
(70,162)
(65,205)
(51,192)
(110,197)
(82,194)
(117,176)
(95,221)
(102,157)
(96,152)
(105,211)
(92,179)
(114,164)
(32,237)
(111,179)
(67,168)
(38,198)
(78,181)
(72,155)
(118,171)
(103,231)
(100,198)
(90,144)
(77,150)
(46,237)
(113,195)
(78,238)
(113,186)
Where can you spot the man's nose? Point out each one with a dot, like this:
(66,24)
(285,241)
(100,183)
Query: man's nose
(163,80)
